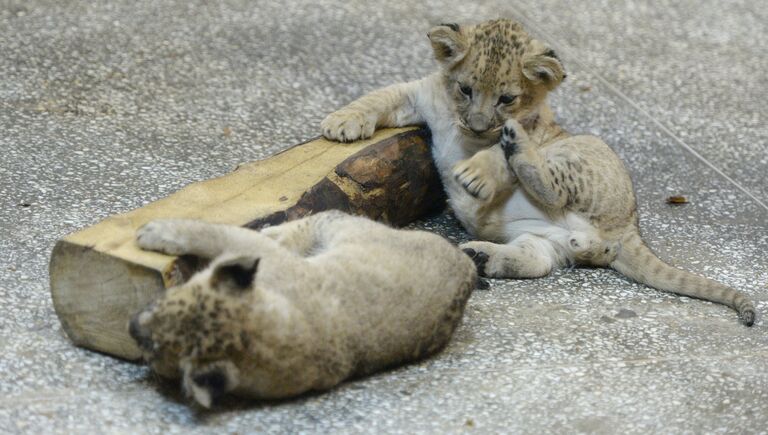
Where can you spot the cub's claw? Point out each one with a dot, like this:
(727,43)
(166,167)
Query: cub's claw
(508,131)
(473,180)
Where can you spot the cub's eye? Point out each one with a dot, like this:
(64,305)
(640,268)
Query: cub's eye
(507,99)
(466,90)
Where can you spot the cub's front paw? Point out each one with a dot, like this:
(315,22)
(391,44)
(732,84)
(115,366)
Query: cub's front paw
(476,176)
(161,236)
(348,125)
(512,136)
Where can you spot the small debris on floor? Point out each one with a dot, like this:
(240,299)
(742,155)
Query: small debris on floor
(677,199)
(585,88)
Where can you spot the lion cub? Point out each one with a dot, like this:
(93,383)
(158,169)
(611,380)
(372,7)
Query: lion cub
(540,200)
(300,306)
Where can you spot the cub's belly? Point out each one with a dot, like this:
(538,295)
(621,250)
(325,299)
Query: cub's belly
(521,215)
(502,222)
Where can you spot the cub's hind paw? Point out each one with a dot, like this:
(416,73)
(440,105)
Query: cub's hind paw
(160,236)
(592,250)
(482,284)
(348,125)
(511,136)
(480,258)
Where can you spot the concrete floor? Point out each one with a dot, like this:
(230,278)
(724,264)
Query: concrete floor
(105,106)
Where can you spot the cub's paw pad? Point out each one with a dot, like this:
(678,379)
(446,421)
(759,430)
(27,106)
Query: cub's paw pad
(480,259)
(510,136)
(159,236)
(348,126)
(510,149)
(508,133)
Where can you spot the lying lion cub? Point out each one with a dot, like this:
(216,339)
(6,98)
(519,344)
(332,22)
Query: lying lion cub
(300,306)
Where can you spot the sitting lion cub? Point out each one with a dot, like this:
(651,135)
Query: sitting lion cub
(537,197)
(300,306)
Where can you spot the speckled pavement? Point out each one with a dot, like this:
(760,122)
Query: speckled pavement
(106,106)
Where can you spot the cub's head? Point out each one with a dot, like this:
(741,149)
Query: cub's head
(494,71)
(198,330)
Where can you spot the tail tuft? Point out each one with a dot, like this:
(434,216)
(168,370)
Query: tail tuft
(748,316)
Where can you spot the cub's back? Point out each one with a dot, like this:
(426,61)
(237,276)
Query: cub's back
(403,292)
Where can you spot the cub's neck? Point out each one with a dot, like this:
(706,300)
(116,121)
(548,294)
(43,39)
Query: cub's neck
(541,126)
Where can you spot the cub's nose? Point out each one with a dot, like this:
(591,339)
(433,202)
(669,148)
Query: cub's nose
(478,123)
(141,335)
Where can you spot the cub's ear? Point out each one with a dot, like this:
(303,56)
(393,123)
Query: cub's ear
(542,66)
(449,43)
(235,273)
(208,383)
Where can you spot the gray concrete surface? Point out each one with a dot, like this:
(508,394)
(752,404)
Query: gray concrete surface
(105,106)
(697,69)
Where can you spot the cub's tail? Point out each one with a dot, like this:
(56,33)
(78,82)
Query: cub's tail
(636,261)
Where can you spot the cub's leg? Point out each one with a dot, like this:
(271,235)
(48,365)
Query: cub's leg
(588,249)
(306,235)
(191,237)
(527,256)
(295,236)
(485,175)
(392,106)
(543,179)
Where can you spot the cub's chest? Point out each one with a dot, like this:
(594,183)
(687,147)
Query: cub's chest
(449,146)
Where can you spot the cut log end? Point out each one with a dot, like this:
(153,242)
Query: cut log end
(94,295)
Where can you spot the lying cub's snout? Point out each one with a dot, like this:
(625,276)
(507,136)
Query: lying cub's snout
(137,327)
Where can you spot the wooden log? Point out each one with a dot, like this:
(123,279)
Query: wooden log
(99,277)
